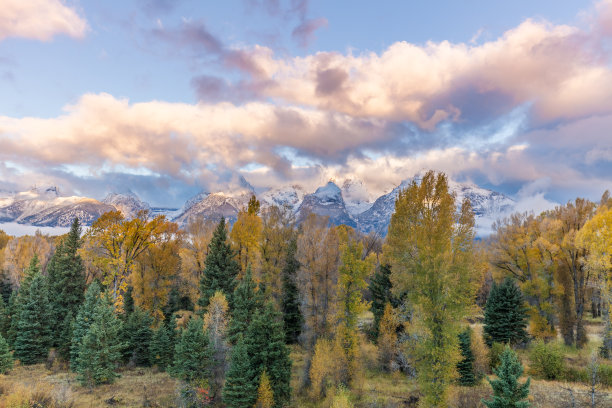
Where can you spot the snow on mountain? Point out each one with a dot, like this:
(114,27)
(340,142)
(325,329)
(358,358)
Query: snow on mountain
(214,206)
(129,204)
(326,201)
(290,196)
(45,207)
(356,197)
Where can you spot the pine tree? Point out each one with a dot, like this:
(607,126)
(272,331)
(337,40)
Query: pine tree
(33,331)
(136,334)
(128,302)
(161,349)
(505,317)
(220,268)
(465,367)
(247,298)
(64,338)
(20,296)
(507,391)
(265,343)
(5,318)
(13,317)
(292,315)
(81,323)
(6,357)
(380,288)
(100,349)
(193,354)
(66,276)
(240,389)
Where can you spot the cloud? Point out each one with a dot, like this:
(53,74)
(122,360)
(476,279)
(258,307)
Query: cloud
(39,20)
(304,32)
(561,70)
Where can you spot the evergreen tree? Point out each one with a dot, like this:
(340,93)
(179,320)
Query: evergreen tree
(505,317)
(64,339)
(240,388)
(507,391)
(247,299)
(193,353)
(380,288)
(220,268)
(20,296)
(265,343)
(465,367)
(172,305)
(13,317)
(128,302)
(161,349)
(33,337)
(66,276)
(136,334)
(5,318)
(100,349)
(82,322)
(6,357)
(292,315)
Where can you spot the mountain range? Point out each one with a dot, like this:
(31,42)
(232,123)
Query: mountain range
(345,203)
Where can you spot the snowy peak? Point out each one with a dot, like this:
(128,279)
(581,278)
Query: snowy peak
(290,196)
(129,203)
(356,196)
(326,201)
(328,193)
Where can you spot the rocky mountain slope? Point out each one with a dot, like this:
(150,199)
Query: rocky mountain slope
(350,204)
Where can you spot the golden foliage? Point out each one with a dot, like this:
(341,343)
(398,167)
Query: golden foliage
(246,236)
(193,253)
(388,348)
(18,252)
(278,231)
(265,395)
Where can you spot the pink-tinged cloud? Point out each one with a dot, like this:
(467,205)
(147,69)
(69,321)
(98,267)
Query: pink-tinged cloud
(563,71)
(39,20)
(304,32)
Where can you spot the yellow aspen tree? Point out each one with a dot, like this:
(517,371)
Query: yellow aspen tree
(193,253)
(388,348)
(246,236)
(430,249)
(278,229)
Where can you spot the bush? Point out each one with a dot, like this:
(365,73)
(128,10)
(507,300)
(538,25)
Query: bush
(605,375)
(495,355)
(481,355)
(546,360)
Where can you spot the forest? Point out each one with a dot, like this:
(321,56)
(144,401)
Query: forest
(268,313)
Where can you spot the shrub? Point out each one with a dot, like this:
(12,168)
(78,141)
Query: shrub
(546,360)
(481,355)
(495,355)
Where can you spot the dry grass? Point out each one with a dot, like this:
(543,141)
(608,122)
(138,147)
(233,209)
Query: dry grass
(135,388)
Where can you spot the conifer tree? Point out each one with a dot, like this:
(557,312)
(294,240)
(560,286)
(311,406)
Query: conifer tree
(465,367)
(64,336)
(380,288)
(505,317)
(6,357)
(5,318)
(292,315)
(161,349)
(13,317)
(20,296)
(220,270)
(193,354)
(82,322)
(33,337)
(100,349)
(247,298)
(136,334)
(265,395)
(240,389)
(507,391)
(266,348)
(66,276)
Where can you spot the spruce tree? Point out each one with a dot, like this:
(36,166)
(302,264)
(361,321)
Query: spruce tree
(5,318)
(193,353)
(100,349)
(465,367)
(82,322)
(292,315)
(507,391)
(33,337)
(220,268)
(247,299)
(240,388)
(66,276)
(505,317)
(265,343)
(136,334)
(20,296)
(380,288)
(13,317)
(6,357)
(161,348)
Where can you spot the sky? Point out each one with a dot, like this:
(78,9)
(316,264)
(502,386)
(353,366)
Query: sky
(167,98)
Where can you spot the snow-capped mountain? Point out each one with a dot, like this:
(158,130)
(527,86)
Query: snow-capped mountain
(291,196)
(45,207)
(350,204)
(129,204)
(326,201)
